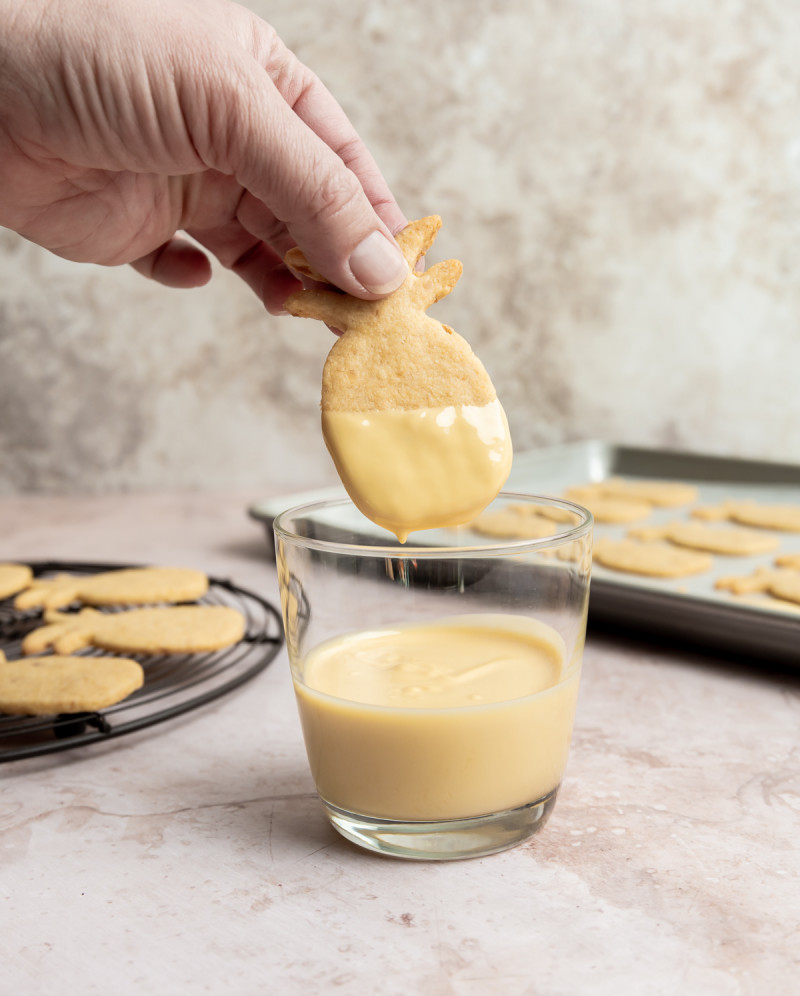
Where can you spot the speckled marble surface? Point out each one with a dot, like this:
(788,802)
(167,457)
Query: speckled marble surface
(194,857)
(622,183)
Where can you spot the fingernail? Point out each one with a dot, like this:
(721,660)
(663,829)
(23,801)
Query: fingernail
(378,265)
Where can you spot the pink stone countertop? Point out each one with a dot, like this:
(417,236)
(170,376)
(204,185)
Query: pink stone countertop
(193,857)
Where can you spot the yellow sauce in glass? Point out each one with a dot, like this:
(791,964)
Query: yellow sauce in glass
(463,717)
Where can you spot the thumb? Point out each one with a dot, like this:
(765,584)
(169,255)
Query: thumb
(311,181)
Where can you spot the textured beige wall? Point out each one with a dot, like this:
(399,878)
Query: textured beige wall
(622,182)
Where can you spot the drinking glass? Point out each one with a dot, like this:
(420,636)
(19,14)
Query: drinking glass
(428,774)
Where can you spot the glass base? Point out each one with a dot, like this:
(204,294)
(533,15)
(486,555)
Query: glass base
(444,840)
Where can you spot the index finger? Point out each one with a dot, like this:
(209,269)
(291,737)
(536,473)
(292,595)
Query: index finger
(317,108)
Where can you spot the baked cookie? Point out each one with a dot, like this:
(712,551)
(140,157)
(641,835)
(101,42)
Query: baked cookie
(13,578)
(514,522)
(409,414)
(43,686)
(663,494)
(782,583)
(788,560)
(177,629)
(782,518)
(736,542)
(608,510)
(747,584)
(653,559)
(762,579)
(564,516)
(787,587)
(129,586)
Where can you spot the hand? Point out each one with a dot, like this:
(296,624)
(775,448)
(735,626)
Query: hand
(123,123)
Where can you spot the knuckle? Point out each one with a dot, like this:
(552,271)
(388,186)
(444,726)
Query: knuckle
(331,193)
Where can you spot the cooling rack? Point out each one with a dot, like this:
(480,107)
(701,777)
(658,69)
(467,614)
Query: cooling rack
(174,683)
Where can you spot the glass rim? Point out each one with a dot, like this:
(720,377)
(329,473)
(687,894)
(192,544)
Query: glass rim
(417,551)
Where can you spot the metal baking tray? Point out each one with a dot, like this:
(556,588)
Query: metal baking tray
(690,610)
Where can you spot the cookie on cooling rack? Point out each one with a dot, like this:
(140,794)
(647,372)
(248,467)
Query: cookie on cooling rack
(45,686)
(175,629)
(128,586)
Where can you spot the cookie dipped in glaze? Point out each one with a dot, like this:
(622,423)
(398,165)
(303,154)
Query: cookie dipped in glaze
(409,414)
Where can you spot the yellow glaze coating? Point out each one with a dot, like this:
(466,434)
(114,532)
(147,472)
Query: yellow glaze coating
(422,468)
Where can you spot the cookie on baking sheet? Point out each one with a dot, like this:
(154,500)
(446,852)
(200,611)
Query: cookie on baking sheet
(176,629)
(735,542)
(652,559)
(786,587)
(611,511)
(514,522)
(43,686)
(666,494)
(565,516)
(13,578)
(788,560)
(761,579)
(780,582)
(782,518)
(128,586)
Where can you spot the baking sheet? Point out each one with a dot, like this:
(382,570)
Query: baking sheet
(690,609)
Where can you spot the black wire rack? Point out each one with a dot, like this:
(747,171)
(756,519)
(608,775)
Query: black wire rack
(174,683)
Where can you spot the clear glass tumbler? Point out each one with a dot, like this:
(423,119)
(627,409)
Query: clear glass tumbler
(436,681)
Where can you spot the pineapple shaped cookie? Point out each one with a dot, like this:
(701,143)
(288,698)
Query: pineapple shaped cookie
(409,414)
